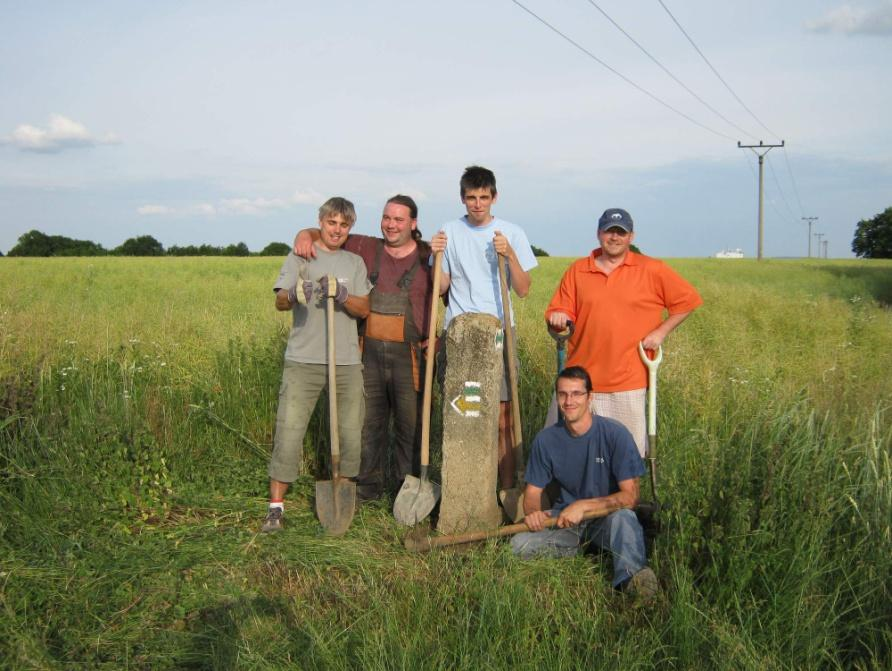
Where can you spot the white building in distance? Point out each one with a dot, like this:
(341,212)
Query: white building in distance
(730,254)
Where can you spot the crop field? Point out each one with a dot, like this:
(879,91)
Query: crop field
(137,403)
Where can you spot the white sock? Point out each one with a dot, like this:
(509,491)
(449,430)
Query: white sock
(277,504)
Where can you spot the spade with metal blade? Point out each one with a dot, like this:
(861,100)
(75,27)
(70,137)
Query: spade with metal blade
(335,498)
(418,496)
(512,498)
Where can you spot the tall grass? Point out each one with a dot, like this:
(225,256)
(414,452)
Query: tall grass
(138,400)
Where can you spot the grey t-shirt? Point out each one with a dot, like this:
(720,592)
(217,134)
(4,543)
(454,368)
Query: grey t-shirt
(307,342)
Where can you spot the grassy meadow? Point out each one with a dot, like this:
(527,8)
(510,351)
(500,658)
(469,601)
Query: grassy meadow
(137,402)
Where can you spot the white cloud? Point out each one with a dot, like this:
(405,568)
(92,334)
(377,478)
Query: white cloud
(61,133)
(252,206)
(227,206)
(307,197)
(851,20)
(149,210)
(204,209)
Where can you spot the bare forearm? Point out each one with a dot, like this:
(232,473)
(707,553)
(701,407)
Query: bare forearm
(656,337)
(521,281)
(625,497)
(672,322)
(532,500)
(605,504)
(305,242)
(357,306)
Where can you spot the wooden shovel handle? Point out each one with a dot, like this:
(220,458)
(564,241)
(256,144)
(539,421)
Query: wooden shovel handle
(512,372)
(332,383)
(430,542)
(429,368)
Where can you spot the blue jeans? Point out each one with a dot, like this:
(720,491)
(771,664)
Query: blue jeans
(619,533)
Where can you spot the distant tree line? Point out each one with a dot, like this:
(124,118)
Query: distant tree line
(35,243)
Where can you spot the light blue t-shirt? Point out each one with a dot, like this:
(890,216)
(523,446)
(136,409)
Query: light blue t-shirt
(470,260)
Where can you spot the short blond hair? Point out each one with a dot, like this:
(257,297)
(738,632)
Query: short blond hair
(338,205)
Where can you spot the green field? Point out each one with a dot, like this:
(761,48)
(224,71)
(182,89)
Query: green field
(137,399)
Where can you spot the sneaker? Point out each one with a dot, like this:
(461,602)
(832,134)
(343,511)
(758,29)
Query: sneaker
(273,521)
(643,586)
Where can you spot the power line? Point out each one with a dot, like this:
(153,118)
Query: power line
(819,236)
(751,113)
(793,181)
(781,191)
(666,70)
(716,72)
(619,74)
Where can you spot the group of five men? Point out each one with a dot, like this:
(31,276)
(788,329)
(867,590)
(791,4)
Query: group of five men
(615,297)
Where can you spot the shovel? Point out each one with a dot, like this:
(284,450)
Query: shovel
(418,496)
(335,499)
(648,510)
(512,499)
(427,543)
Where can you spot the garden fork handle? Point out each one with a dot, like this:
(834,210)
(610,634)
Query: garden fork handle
(652,367)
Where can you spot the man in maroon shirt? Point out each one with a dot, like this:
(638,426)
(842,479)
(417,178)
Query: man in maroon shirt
(398,269)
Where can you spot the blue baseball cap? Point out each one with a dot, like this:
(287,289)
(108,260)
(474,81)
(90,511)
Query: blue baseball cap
(615,217)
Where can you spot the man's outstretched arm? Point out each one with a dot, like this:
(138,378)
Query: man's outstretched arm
(305,243)
(656,337)
(626,497)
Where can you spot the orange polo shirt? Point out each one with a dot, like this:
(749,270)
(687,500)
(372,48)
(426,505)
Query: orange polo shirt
(612,313)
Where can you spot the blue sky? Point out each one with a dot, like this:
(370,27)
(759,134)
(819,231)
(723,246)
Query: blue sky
(222,122)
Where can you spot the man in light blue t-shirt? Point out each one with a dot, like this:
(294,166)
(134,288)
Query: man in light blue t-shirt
(471,248)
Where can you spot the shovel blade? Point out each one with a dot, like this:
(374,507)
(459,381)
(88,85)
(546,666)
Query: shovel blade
(415,500)
(512,504)
(335,504)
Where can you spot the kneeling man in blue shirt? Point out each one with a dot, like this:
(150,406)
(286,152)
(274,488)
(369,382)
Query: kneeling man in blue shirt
(596,463)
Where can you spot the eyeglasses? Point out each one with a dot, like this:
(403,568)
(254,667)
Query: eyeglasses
(619,232)
(571,395)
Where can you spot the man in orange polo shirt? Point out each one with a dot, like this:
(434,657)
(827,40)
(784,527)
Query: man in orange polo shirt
(616,299)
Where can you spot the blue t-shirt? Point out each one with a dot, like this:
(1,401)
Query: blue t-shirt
(470,260)
(586,466)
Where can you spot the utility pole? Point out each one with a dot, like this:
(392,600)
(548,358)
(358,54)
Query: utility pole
(819,236)
(825,247)
(756,148)
(810,220)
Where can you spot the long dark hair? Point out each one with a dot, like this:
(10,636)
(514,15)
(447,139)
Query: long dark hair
(407,201)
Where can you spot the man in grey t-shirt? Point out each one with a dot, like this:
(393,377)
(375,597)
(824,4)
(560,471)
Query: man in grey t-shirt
(302,287)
